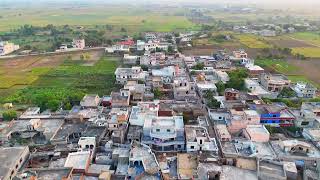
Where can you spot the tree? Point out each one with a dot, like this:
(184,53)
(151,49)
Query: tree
(144,67)
(220,87)
(123,30)
(199,66)
(237,79)
(157,93)
(81,57)
(9,115)
(53,104)
(287,93)
(213,103)
(170,49)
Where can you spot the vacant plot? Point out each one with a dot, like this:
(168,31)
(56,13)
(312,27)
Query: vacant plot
(252,41)
(312,52)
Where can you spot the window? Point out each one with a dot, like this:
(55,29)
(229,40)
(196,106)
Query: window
(168,130)
(179,146)
(304,123)
(191,147)
(220,117)
(200,141)
(157,130)
(274,115)
(87,146)
(20,160)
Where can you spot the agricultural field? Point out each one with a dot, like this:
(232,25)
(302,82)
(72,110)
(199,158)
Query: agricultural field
(311,52)
(293,69)
(280,66)
(252,41)
(312,38)
(131,18)
(55,71)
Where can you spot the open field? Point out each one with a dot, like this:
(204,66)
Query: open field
(131,18)
(252,41)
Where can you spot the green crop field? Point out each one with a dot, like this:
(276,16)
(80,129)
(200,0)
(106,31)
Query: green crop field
(252,41)
(279,66)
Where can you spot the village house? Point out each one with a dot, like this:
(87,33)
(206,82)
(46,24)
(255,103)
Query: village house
(274,82)
(183,89)
(240,54)
(90,101)
(164,133)
(12,159)
(309,115)
(241,119)
(305,90)
(79,161)
(143,111)
(205,86)
(7,48)
(130,59)
(141,45)
(222,132)
(275,115)
(254,70)
(231,94)
(256,133)
(138,92)
(221,76)
(198,139)
(125,74)
(256,89)
(120,99)
(166,74)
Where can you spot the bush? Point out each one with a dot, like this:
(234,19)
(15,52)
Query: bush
(9,115)
(199,66)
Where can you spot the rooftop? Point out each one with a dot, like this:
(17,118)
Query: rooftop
(47,173)
(8,158)
(187,165)
(78,160)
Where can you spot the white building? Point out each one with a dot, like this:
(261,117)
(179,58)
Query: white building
(197,139)
(125,74)
(164,133)
(305,90)
(7,48)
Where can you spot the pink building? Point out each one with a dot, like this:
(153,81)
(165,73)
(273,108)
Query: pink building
(241,119)
(79,43)
(256,133)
